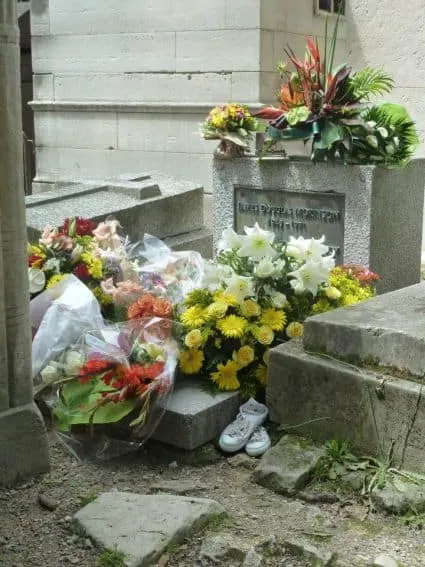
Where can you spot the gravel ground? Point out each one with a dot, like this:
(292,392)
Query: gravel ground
(33,536)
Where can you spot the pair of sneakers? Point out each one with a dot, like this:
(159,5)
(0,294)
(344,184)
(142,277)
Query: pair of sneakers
(247,431)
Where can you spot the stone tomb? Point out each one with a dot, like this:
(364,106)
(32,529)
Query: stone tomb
(369,215)
(358,374)
(170,209)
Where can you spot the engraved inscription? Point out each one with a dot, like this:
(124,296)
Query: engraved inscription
(287,213)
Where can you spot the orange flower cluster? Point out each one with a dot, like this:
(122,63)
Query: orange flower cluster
(150,306)
(362,274)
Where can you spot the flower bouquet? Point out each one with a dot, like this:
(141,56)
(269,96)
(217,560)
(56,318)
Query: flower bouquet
(328,106)
(110,389)
(234,125)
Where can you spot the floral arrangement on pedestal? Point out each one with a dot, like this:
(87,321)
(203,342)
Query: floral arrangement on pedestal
(329,106)
(234,125)
(256,294)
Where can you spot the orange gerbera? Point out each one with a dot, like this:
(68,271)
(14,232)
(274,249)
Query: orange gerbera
(162,307)
(143,307)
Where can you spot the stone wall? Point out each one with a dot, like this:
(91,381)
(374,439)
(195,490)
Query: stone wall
(124,86)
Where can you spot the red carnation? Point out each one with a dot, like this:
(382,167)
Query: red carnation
(81,271)
(83,227)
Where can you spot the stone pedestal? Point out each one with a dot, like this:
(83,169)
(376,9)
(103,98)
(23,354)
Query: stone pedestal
(370,215)
(23,443)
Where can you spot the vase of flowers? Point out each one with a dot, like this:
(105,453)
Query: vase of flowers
(234,126)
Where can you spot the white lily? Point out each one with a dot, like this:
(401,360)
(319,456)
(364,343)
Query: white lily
(311,276)
(214,274)
(265,268)
(240,286)
(302,249)
(230,240)
(257,243)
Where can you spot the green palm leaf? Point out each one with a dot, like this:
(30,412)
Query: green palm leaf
(368,83)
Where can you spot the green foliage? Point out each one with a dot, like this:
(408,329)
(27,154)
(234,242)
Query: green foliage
(87,499)
(111,558)
(198,297)
(415,519)
(368,83)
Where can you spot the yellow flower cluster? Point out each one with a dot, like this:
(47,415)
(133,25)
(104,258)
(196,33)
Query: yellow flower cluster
(228,340)
(101,296)
(94,265)
(344,289)
(55,279)
(229,118)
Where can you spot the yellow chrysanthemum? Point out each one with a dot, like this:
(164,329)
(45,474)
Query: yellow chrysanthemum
(226,376)
(102,297)
(55,279)
(191,360)
(193,339)
(264,335)
(295,329)
(321,306)
(217,310)
(274,318)
(229,299)
(350,299)
(232,326)
(244,356)
(250,308)
(261,374)
(193,317)
(94,265)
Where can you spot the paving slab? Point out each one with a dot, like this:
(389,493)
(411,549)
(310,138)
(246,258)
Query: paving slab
(194,416)
(143,526)
(388,329)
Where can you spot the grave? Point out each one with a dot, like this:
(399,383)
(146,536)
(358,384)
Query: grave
(157,204)
(358,374)
(369,215)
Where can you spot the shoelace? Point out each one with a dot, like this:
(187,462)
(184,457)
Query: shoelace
(259,434)
(239,426)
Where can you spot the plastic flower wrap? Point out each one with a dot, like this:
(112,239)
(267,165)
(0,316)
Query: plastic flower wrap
(232,122)
(108,392)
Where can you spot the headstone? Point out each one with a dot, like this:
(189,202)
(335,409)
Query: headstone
(23,441)
(369,215)
(170,209)
(358,375)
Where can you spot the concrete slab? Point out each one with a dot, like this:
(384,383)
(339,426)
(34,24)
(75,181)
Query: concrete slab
(329,399)
(389,329)
(143,526)
(194,416)
(199,240)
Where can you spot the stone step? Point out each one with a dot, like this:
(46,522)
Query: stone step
(329,399)
(199,240)
(194,416)
(388,330)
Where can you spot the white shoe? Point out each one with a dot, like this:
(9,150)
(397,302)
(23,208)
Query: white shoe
(255,412)
(258,443)
(236,435)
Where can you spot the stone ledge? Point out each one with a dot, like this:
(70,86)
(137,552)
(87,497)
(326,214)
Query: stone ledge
(23,442)
(377,414)
(142,107)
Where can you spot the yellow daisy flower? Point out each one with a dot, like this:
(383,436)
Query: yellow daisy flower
(191,360)
(193,317)
(264,335)
(226,376)
(232,326)
(244,356)
(217,310)
(295,329)
(250,308)
(274,318)
(193,339)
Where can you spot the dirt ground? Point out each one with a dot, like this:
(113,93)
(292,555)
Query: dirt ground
(33,536)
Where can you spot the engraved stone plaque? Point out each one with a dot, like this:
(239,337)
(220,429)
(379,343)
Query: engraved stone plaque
(293,213)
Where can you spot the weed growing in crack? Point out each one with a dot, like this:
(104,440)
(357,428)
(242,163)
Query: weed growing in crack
(111,558)
(87,499)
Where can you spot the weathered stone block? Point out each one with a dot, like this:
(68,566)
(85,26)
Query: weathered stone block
(387,330)
(377,413)
(373,212)
(23,443)
(194,416)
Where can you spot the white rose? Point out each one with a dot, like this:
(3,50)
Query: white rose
(73,362)
(50,373)
(265,268)
(278,299)
(37,280)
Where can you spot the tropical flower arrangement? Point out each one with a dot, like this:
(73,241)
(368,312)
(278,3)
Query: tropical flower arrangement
(256,294)
(329,106)
(93,252)
(233,124)
(111,375)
